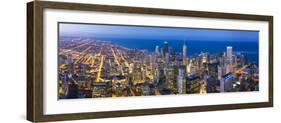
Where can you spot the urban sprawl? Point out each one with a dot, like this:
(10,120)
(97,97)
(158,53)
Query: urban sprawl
(90,68)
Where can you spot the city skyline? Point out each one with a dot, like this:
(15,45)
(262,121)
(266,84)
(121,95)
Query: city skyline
(95,67)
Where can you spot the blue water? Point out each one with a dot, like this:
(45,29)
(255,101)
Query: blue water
(249,49)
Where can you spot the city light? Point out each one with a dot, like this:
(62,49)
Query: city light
(94,68)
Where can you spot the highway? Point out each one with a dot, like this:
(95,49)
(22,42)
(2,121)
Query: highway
(126,62)
(93,61)
(85,50)
(115,57)
(66,51)
(241,69)
(100,68)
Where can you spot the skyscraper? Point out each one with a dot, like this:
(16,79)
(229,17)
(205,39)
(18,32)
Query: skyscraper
(157,50)
(221,72)
(70,63)
(165,48)
(229,53)
(181,84)
(167,58)
(138,73)
(213,69)
(229,59)
(171,76)
(193,84)
(184,50)
(226,82)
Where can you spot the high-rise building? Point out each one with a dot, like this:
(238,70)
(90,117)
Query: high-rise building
(213,69)
(213,85)
(221,72)
(157,51)
(70,64)
(184,51)
(171,76)
(203,61)
(229,53)
(240,60)
(138,73)
(165,48)
(226,82)
(167,58)
(229,59)
(193,84)
(229,68)
(181,83)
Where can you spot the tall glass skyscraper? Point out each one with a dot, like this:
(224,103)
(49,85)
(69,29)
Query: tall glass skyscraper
(165,48)
(184,50)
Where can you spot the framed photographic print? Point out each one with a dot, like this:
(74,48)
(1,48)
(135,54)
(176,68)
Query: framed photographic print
(97,61)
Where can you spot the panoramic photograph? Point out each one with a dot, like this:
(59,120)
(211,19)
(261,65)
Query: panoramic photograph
(110,61)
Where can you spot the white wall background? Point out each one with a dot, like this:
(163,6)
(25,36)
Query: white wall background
(13,60)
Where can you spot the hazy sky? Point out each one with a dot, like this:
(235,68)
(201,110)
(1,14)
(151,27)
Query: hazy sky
(155,33)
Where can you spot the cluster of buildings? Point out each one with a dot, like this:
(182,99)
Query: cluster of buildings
(93,68)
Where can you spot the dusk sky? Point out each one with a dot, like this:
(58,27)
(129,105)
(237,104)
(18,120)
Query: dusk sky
(155,33)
